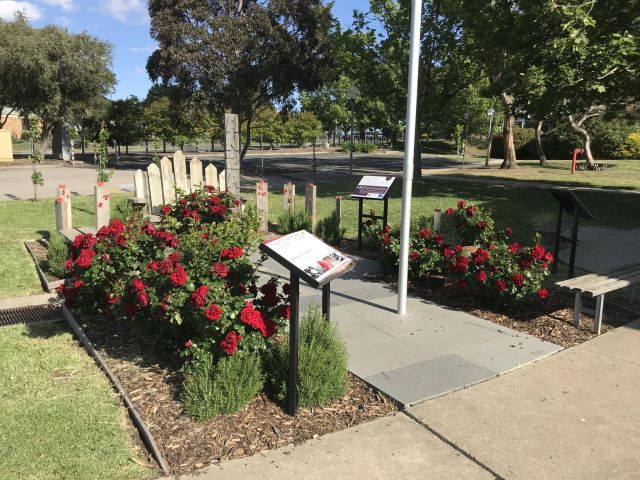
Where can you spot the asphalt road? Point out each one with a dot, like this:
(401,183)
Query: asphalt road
(15,181)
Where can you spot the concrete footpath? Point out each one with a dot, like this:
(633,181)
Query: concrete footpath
(570,416)
(429,351)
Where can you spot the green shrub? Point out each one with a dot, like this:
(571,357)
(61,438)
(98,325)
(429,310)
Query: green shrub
(329,229)
(292,222)
(57,255)
(560,143)
(523,141)
(123,210)
(322,362)
(222,388)
(359,147)
(631,147)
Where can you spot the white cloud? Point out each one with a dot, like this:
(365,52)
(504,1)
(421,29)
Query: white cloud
(134,11)
(63,21)
(64,4)
(150,49)
(8,9)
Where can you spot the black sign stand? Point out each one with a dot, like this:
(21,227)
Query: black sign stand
(295,274)
(572,205)
(361,216)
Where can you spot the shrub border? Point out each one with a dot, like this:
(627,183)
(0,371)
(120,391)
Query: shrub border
(144,432)
(46,285)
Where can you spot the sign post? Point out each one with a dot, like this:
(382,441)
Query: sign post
(374,188)
(310,259)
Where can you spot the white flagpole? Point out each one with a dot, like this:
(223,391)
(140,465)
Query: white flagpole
(409,142)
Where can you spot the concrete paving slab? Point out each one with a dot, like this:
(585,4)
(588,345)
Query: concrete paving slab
(393,447)
(607,254)
(430,378)
(570,416)
(427,352)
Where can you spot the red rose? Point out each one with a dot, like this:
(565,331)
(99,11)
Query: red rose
(199,296)
(68,264)
(545,265)
(271,327)
(548,257)
(508,231)
(254,318)
(471,210)
(458,249)
(230,343)
(137,284)
(525,264)
(481,276)
(425,233)
(414,255)
(514,247)
(386,229)
(232,253)
(85,258)
(112,299)
(482,225)
(165,210)
(270,292)
(213,312)
(517,279)
(188,344)
(538,252)
(461,204)
(543,293)
(183,202)
(369,222)
(480,256)
(286,289)
(386,239)
(439,239)
(152,266)
(149,229)
(461,264)
(449,211)
(178,276)
(143,298)
(285,311)
(220,269)
(447,252)
(501,285)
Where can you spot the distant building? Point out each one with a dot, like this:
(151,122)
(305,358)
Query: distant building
(14,123)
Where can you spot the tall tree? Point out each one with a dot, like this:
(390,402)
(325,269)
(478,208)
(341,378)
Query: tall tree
(61,75)
(126,121)
(240,55)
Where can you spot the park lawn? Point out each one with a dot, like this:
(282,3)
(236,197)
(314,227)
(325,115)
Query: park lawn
(22,220)
(621,174)
(523,208)
(59,416)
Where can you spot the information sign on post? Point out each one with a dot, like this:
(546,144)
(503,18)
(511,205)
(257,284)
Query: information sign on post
(372,188)
(310,259)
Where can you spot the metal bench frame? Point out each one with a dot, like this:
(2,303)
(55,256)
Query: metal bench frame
(597,285)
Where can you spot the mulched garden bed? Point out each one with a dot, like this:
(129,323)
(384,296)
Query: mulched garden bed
(153,382)
(550,320)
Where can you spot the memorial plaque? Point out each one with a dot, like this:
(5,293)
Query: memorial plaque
(376,188)
(309,257)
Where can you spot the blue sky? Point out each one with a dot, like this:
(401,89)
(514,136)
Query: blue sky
(125,24)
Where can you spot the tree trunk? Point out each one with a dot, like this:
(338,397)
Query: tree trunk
(539,150)
(126,149)
(507,132)
(164,146)
(580,130)
(247,141)
(45,137)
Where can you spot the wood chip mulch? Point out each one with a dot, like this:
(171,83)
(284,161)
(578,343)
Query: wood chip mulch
(153,383)
(550,320)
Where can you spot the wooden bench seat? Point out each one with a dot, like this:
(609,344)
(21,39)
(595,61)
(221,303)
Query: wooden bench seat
(597,285)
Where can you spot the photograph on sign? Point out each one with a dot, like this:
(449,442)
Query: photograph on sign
(373,187)
(309,254)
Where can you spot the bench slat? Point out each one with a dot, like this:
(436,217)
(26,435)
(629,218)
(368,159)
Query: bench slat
(614,285)
(590,280)
(70,233)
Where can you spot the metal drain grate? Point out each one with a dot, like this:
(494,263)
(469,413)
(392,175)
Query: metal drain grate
(34,313)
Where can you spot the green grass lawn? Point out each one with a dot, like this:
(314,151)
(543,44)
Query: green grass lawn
(522,208)
(621,174)
(22,220)
(59,417)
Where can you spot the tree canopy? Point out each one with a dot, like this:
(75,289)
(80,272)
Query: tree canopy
(240,55)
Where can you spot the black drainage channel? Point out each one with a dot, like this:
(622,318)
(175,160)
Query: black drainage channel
(30,314)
